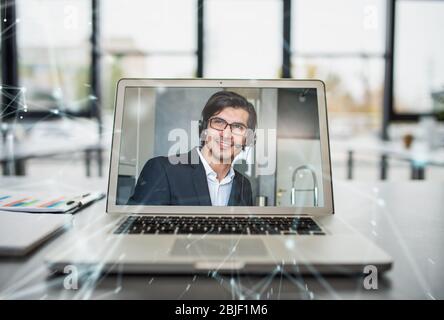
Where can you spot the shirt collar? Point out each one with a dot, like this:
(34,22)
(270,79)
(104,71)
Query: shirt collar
(211,173)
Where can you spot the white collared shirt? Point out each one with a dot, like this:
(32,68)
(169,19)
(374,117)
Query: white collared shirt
(219,191)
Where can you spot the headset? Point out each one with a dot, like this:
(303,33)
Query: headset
(250,139)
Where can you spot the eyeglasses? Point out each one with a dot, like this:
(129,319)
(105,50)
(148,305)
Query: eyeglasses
(220,124)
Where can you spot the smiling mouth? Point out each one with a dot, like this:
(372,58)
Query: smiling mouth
(224,144)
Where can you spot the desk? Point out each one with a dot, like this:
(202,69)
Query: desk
(406,219)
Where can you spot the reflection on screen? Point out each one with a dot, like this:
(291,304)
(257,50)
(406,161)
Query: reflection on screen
(220,147)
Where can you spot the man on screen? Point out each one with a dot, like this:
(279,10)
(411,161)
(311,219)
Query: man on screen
(204,176)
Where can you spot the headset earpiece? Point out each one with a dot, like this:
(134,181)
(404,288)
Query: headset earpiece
(200,127)
(250,139)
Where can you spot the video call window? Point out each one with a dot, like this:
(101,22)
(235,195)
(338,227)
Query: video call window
(220,147)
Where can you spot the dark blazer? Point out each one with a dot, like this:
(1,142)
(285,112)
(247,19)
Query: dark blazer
(179,181)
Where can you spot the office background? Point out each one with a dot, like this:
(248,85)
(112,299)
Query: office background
(381,61)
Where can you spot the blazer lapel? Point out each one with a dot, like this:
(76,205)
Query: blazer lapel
(200,181)
(235,194)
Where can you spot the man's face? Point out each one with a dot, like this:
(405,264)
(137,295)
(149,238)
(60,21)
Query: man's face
(224,145)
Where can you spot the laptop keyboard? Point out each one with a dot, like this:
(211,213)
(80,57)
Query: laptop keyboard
(219,225)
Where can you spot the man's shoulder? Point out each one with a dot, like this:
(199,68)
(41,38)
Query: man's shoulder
(160,160)
(184,159)
(177,160)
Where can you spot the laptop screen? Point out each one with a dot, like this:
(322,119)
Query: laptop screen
(195,146)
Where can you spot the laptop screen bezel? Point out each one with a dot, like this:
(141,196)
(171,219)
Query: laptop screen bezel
(112,207)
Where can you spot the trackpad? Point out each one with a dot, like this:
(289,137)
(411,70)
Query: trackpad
(218,247)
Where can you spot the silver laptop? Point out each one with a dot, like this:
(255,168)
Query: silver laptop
(219,176)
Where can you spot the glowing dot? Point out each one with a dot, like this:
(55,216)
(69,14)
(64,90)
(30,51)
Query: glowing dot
(21,117)
(161,90)
(289,244)
(381,202)
(4,20)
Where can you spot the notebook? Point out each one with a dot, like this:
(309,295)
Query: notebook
(22,232)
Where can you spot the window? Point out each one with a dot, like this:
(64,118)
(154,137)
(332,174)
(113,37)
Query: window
(243,38)
(342,42)
(419,52)
(54,54)
(147,38)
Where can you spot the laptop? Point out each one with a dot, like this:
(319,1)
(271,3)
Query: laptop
(219,176)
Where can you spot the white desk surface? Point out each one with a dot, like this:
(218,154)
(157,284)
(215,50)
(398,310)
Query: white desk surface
(404,218)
